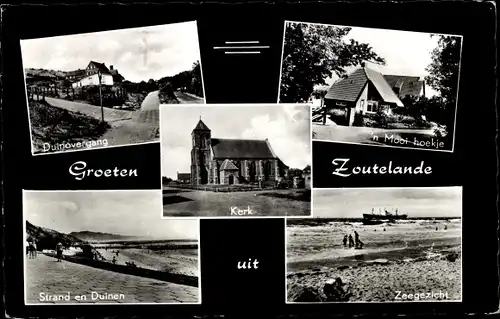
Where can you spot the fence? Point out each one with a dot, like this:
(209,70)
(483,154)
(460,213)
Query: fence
(224,189)
(36,93)
(111,96)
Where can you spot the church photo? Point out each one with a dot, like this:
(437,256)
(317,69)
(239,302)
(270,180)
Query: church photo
(236,160)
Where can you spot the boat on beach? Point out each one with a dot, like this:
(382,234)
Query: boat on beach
(382,217)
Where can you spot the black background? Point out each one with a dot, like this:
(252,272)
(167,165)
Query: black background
(255,78)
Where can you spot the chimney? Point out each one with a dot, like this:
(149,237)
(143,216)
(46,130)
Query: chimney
(111,67)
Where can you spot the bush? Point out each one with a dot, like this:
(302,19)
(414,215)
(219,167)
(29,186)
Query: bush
(358,119)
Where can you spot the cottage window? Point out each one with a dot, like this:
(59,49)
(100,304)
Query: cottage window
(372,106)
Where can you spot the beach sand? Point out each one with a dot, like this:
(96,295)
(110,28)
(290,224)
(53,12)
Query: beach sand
(174,261)
(407,258)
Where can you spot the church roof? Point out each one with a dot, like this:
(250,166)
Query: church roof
(241,149)
(227,165)
(201,126)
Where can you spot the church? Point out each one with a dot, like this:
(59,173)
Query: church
(220,161)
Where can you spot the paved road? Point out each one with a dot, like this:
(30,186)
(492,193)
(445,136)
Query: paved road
(45,274)
(186,98)
(110,115)
(127,127)
(151,102)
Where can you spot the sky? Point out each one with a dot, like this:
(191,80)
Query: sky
(127,213)
(406,53)
(138,53)
(287,127)
(416,202)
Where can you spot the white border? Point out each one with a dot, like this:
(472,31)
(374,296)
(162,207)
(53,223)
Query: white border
(237,105)
(383,302)
(390,146)
(97,303)
(104,31)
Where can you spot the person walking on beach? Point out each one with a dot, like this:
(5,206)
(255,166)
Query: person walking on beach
(30,249)
(356,239)
(114,260)
(59,251)
(34,249)
(351,241)
(344,241)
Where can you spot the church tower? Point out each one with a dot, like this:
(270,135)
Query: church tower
(200,154)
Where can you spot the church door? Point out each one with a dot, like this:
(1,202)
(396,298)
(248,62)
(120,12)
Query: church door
(231,179)
(252,171)
(267,170)
(203,175)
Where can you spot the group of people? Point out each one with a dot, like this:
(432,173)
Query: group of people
(353,242)
(31,249)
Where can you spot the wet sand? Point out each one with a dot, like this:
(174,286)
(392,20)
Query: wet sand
(411,257)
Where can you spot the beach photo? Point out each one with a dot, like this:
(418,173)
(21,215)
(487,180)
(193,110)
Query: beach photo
(107,247)
(104,89)
(373,86)
(377,245)
(242,160)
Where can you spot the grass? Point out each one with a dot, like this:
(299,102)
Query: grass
(54,125)
(207,203)
(300,195)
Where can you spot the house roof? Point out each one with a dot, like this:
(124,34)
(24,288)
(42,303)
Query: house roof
(227,165)
(408,85)
(201,126)
(101,66)
(241,149)
(383,88)
(349,89)
(183,175)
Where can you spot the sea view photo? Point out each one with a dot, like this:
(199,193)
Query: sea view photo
(377,245)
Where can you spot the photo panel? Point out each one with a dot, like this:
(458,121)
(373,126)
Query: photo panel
(374,86)
(236,160)
(107,247)
(104,89)
(377,245)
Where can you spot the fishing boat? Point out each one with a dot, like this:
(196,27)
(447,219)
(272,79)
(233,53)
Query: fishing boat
(382,217)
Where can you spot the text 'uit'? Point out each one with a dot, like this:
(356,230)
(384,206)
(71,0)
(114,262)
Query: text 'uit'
(250,264)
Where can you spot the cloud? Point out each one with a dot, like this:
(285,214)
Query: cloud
(416,202)
(174,47)
(286,126)
(134,213)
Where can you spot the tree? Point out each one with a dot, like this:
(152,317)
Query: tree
(445,66)
(319,93)
(443,77)
(196,84)
(312,53)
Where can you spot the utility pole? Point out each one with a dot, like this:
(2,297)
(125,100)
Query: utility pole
(99,74)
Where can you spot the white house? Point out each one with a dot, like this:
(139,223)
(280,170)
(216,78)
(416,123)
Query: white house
(90,76)
(107,79)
